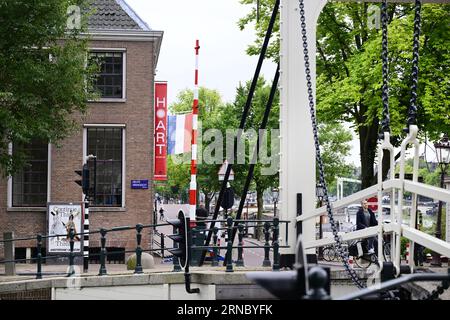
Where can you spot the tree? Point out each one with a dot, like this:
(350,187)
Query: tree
(210,103)
(43,78)
(349,70)
(178,177)
(335,142)
(231,117)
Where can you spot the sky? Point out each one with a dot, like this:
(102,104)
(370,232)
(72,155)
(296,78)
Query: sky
(223,62)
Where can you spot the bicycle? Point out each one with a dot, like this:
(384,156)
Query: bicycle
(366,259)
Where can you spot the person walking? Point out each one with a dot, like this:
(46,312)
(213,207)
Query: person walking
(161,214)
(365,218)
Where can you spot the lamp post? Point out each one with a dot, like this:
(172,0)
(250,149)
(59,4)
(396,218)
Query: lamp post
(320,195)
(443,157)
(275,195)
(155,211)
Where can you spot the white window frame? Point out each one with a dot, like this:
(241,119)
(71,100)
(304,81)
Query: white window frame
(49,183)
(124,139)
(124,74)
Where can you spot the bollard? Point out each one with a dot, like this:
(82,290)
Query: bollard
(276,245)
(71,242)
(229,254)
(39,257)
(102,271)
(10,267)
(176,261)
(138,268)
(318,279)
(240,260)
(162,245)
(266,262)
(215,259)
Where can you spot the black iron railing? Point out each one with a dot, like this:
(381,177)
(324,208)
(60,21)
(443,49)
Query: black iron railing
(271,232)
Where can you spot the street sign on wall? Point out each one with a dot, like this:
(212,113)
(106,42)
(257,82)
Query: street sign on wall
(58,216)
(139,184)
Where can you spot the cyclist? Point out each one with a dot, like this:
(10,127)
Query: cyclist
(365,218)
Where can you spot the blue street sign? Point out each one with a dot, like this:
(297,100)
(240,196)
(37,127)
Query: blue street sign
(139,184)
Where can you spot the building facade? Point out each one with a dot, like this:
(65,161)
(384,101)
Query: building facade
(117,129)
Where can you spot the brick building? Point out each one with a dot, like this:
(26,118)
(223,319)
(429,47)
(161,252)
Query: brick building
(118,129)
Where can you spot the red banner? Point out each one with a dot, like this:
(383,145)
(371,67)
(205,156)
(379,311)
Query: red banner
(160,154)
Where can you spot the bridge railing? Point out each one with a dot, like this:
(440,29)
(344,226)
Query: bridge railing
(271,231)
(395,226)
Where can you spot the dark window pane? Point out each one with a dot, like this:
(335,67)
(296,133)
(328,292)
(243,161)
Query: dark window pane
(106,145)
(30,184)
(110,78)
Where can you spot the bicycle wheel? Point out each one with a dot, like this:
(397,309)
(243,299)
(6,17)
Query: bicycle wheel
(328,254)
(364,261)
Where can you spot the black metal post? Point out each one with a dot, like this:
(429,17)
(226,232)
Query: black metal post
(275,209)
(215,260)
(266,262)
(39,257)
(193,234)
(276,245)
(162,245)
(155,215)
(240,260)
(176,261)
(102,271)
(230,245)
(320,257)
(71,256)
(138,268)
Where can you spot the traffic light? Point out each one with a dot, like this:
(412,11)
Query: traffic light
(84,182)
(180,239)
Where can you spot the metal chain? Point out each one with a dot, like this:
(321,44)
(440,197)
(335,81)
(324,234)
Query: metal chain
(412,113)
(385,123)
(343,253)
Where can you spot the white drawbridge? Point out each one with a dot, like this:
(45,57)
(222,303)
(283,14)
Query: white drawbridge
(297,174)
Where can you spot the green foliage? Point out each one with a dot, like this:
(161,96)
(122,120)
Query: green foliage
(349,70)
(43,77)
(210,104)
(335,141)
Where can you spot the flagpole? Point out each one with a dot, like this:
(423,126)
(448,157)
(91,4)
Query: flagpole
(193,185)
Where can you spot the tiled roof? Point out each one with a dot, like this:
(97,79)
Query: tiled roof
(114,15)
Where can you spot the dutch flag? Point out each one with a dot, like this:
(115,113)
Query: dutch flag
(180,133)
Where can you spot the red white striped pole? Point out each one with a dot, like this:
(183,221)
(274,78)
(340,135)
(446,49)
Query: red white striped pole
(193,185)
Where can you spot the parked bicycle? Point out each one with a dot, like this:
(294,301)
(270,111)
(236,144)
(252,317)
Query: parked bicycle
(362,258)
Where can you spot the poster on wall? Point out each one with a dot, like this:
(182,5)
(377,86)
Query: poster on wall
(61,217)
(160,151)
